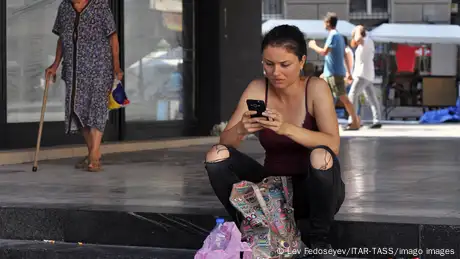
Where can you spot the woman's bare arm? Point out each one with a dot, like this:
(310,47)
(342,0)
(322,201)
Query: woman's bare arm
(326,119)
(114,43)
(58,58)
(234,133)
(349,61)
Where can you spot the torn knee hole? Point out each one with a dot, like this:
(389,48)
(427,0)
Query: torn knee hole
(321,159)
(217,153)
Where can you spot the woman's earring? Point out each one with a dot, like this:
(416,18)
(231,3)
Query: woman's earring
(262,62)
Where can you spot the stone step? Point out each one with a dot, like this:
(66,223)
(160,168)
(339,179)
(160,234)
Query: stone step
(183,231)
(375,237)
(25,249)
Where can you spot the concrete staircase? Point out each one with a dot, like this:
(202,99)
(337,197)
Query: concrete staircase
(49,233)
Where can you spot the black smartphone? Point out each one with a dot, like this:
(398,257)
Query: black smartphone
(256,105)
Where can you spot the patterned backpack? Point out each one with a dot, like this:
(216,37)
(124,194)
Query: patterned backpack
(268,226)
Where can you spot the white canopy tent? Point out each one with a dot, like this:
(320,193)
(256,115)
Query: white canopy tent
(444,39)
(313,29)
(417,33)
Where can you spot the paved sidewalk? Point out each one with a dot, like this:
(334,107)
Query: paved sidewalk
(407,130)
(411,179)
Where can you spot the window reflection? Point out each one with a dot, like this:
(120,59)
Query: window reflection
(379,6)
(358,6)
(31,47)
(272,9)
(154,60)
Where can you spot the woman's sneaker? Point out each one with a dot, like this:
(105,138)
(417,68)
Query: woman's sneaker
(375,126)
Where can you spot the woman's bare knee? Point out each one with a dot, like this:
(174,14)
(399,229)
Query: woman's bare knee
(321,159)
(217,153)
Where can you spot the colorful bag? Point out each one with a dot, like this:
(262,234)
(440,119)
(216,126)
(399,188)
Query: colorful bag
(117,97)
(269,226)
(233,249)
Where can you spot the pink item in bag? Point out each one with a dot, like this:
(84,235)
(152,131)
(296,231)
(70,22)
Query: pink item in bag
(232,249)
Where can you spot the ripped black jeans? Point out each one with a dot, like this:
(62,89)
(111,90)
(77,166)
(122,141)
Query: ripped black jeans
(318,194)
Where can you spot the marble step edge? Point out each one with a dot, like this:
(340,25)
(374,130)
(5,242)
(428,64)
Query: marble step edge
(49,249)
(26,249)
(9,157)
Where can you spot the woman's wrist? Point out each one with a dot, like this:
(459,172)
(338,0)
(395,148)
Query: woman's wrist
(285,129)
(240,130)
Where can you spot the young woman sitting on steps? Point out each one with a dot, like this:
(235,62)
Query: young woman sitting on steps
(300,138)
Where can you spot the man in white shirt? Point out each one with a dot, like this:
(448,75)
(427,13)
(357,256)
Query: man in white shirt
(363,74)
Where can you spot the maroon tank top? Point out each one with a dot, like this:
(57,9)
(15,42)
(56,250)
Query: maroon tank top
(283,156)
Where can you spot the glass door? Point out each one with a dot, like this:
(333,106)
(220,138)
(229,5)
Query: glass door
(31,48)
(158,67)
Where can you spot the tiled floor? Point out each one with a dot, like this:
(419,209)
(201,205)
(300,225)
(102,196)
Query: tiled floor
(399,179)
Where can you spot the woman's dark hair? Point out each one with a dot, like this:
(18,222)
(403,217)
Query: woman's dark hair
(346,40)
(288,37)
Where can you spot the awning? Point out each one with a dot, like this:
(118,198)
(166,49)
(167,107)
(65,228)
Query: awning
(417,33)
(313,29)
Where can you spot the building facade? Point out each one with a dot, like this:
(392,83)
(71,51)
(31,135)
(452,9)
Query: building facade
(178,57)
(375,11)
(370,13)
(186,62)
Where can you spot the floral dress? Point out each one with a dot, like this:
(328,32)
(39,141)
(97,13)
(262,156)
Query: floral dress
(87,66)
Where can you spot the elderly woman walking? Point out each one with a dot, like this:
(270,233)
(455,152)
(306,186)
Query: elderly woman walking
(89,49)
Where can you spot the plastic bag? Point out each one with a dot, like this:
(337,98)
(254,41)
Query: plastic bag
(233,249)
(117,96)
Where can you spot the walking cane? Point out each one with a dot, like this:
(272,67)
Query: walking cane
(40,128)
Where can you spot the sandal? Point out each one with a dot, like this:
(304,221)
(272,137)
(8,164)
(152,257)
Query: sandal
(94,165)
(350,127)
(82,163)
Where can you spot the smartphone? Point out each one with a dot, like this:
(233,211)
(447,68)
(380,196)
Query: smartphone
(256,105)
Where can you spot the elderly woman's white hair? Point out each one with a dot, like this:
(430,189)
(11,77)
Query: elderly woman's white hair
(358,33)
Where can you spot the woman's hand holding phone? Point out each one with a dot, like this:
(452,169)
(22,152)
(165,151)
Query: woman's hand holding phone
(249,125)
(275,121)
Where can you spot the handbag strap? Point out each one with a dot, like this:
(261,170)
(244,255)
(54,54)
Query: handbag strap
(286,189)
(264,207)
